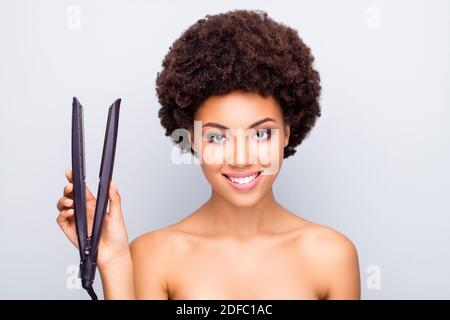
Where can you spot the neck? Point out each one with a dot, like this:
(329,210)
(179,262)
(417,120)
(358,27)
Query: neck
(225,218)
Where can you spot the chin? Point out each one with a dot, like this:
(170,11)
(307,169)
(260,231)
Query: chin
(242,199)
(245,202)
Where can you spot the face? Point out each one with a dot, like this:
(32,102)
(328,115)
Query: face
(239,139)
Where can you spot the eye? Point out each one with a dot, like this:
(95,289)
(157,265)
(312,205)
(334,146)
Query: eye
(263,134)
(215,138)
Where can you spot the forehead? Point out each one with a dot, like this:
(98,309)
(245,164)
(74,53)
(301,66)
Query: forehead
(238,109)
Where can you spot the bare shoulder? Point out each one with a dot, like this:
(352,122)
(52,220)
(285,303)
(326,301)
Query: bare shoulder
(148,240)
(327,242)
(333,260)
(156,242)
(152,255)
(165,241)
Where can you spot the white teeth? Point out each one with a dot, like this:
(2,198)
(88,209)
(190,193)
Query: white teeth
(243,180)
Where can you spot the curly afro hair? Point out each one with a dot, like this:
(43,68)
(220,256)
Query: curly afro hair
(239,50)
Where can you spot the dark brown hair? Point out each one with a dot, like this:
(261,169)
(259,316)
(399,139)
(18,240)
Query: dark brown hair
(239,50)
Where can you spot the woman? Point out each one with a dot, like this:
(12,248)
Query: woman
(244,88)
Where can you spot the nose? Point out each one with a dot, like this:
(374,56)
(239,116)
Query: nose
(239,152)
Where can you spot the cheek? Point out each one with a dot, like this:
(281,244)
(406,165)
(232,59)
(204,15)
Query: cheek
(211,172)
(269,154)
(214,154)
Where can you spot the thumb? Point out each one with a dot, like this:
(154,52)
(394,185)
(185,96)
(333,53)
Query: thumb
(115,210)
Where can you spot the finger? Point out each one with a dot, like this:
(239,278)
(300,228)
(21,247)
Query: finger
(64,203)
(69,175)
(68,190)
(115,210)
(64,220)
(64,215)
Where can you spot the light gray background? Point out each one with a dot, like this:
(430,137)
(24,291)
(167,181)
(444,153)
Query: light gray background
(375,167)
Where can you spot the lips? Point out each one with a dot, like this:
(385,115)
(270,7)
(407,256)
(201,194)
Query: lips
(243,181)
(238,175)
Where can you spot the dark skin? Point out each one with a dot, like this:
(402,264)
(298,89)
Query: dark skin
(238,244)
(245,245)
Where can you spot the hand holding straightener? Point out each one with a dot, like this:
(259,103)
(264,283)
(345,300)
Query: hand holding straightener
(100,236)
(114,238)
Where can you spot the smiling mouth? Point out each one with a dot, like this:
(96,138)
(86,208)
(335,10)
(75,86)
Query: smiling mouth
(242,180)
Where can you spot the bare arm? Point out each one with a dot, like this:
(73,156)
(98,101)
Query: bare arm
(117,279)
(334,264)
(150,266)
(344,280)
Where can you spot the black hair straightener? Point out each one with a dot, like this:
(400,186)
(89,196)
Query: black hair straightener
(88,245)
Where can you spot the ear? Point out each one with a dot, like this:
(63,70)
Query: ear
(287,133)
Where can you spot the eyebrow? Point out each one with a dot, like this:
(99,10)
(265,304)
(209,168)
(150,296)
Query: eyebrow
(217,125)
